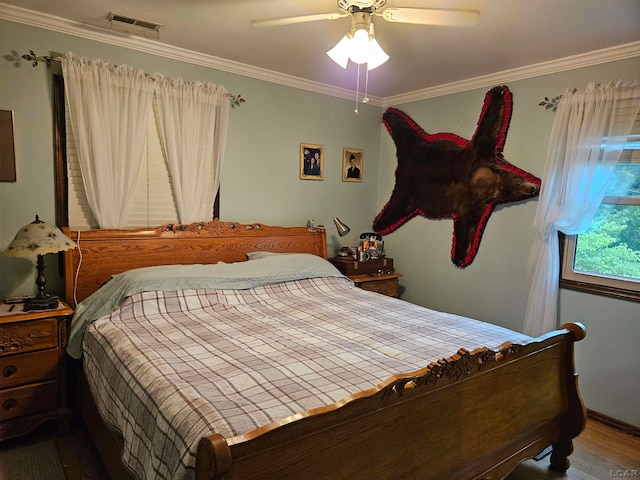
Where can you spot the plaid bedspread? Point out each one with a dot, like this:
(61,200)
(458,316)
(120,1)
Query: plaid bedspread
(168,368)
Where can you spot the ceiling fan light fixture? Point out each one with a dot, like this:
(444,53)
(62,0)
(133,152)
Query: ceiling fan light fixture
(359,46)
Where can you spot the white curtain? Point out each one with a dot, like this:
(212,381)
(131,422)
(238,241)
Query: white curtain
(109,110)
(587,138)
(192,122)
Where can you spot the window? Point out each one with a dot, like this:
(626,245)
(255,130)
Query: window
(153,202)
(606,259)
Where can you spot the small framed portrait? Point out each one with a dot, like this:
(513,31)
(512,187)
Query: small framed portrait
(352,165)
(311,161)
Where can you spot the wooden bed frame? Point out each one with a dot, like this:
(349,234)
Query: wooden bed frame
(475,415)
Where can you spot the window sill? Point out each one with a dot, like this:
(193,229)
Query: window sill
(607,291)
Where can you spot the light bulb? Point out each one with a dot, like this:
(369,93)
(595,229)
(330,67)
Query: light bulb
(360,47)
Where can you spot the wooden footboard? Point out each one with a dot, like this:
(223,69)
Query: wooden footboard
(475,415)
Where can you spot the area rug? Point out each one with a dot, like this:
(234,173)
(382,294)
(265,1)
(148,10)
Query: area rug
(33,461)
(43,455)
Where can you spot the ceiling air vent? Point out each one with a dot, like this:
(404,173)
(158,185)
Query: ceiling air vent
(136,26)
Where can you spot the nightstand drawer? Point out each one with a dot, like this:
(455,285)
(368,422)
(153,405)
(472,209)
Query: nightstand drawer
(385,287)
(28,368)
(385,283)
(28,400)
(28,336)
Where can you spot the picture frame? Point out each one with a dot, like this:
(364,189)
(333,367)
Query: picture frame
(311,161)
(7,149)
(355,172)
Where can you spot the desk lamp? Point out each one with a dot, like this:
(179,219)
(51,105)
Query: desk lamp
(339,226)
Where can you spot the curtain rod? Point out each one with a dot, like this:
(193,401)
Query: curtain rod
(34,59)
(236,100)
(552,103)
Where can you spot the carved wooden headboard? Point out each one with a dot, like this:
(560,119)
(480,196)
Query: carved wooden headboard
(102,253)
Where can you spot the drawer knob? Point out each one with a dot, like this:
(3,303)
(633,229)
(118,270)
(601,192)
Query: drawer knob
(9,371)
(9,404)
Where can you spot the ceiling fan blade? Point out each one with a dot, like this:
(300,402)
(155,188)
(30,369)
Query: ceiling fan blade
(432,16)
(273,22)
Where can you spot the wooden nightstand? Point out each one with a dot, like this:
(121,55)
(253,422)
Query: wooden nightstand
(32,369)
(384,283)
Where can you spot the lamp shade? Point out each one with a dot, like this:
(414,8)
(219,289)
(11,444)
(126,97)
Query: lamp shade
(377,56)
(341,227)
(340,53)
(38,238)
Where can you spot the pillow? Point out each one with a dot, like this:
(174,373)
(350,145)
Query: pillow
(264,270)
(264,254)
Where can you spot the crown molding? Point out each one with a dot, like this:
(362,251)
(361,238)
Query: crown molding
(619,52)
(46,21)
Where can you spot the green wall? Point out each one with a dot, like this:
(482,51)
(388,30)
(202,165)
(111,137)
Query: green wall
(260,183)
(495,287)
(260,176)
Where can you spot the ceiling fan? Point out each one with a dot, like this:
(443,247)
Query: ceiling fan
(419,16)
(359,44)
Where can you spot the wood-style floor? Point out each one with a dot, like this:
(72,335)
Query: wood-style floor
(600,452)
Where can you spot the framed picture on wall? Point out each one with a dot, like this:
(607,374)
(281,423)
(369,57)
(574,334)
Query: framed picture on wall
(352,165)
(7,152)
(311,161)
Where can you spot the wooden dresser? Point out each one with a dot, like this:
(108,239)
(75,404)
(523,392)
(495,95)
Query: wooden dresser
(32,369)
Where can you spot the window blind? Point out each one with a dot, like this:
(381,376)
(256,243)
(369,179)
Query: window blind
(153,201)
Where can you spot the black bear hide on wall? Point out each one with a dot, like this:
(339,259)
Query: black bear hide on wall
(445,176)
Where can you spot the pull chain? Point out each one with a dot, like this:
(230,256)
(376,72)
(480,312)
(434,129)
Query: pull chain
(357,88)
(366,86)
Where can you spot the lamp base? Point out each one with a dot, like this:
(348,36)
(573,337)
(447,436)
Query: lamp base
(45,302)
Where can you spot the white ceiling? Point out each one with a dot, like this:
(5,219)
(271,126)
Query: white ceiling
(510,34)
